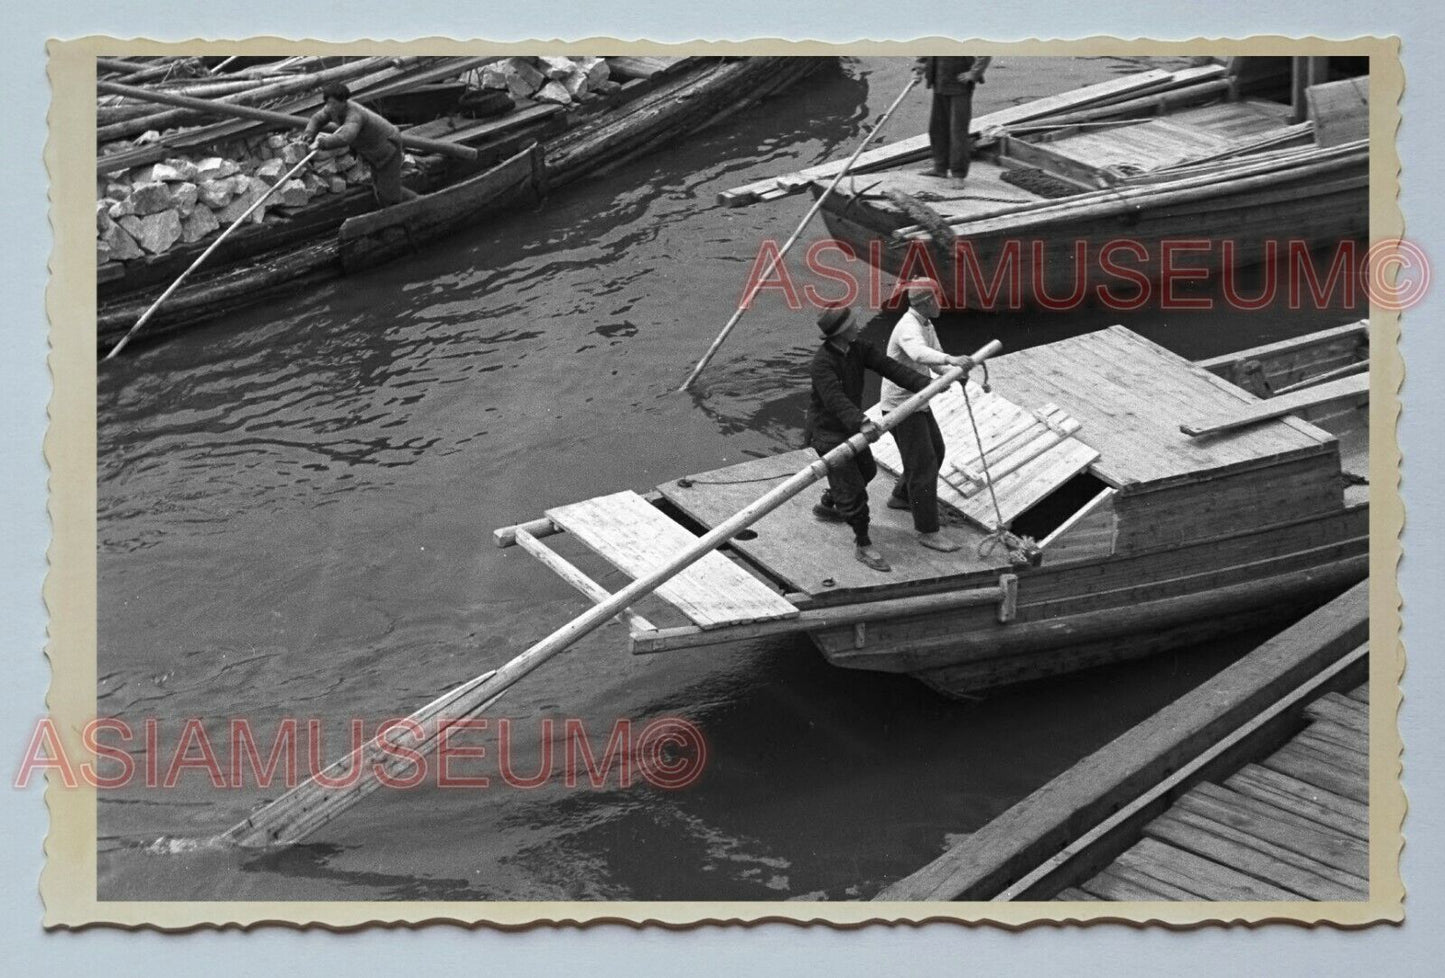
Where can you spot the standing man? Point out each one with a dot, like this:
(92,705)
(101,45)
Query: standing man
(376,140)
(952,81)
(914,343)
(835,415)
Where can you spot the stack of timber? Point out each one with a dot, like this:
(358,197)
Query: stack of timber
(1146,158)
(1151,538)
(1254,786)
(465,168)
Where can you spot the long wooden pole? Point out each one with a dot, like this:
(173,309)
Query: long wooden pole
(265,115)
(310,805)
(777,259)
(145,317)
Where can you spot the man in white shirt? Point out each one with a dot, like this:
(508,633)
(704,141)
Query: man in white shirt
(914,343)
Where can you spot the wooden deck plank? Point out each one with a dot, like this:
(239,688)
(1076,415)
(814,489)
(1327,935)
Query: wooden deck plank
(1348,737)
(1278,826)
(1076,895)
(814,557)
(1360,694)
(1131,396)
(1343,815)
(1209,879)
(1340,709)
(1314,768)
(1117,883)
(1271,864)
(638,539)
(1324,731)
(1346,388)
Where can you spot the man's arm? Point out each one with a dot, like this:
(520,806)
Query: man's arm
(318,120)
(909,334)
(345,134)
(975,74)
(830,391)
(886,366)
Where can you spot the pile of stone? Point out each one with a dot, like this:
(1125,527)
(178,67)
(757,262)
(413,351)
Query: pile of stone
(560,80)
(150,209)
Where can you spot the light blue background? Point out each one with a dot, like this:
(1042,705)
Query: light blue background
(25,389)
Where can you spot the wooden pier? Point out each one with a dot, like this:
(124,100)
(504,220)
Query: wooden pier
(1293,826)
(1253,786)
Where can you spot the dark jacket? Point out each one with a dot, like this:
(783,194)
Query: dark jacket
(941,75)
(363,130)
(834,409)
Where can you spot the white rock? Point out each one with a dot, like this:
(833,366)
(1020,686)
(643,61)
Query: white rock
(276,141)
(120,244)
(597,70)
(171,171)
(358,173)
(215,168)
(575,83)
(198,225)
(185,196)
(158,231)
(557,68)
(121,208)
(253,189)
(554,92)
(103,220)
(338,185)
(271,171)
(293,153)
(149,198)
(148,137)
(515,75)
(216,194)
(293,193)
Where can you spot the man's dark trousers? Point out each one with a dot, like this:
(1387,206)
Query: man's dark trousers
(920,445)
(948,131)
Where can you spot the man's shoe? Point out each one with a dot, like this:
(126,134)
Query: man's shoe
(934,171)
(937,541)
(872,558)
(827,514)
(895,503)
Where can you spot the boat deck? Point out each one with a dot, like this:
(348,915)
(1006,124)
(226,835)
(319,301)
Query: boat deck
(1090,157)
(1183,135)
(1294,825)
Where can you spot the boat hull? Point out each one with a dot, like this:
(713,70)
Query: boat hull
(1096,612)
(1067,264)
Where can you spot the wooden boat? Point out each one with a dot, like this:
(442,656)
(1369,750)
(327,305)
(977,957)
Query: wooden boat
(1077,192)
(666,98)
(1148,538)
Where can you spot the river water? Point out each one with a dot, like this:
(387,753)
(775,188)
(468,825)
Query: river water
(295,515)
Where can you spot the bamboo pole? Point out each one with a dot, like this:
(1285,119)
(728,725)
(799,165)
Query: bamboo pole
(206,254)
(310,805)
(276,118)
(777,259)
(275,89)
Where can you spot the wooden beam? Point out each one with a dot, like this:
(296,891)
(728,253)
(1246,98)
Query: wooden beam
(1285,404)
(573,575)
(1048,820)
(807,620)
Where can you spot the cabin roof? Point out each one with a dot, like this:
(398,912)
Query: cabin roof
(1132,395)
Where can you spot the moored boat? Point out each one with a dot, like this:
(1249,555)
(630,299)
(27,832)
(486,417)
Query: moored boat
(344,233)
(1128,535)
(1106,193)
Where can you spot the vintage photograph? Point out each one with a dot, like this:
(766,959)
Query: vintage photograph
(877,480)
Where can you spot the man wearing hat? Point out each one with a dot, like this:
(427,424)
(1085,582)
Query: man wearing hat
(914,343)
(376,140)
(835,414)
